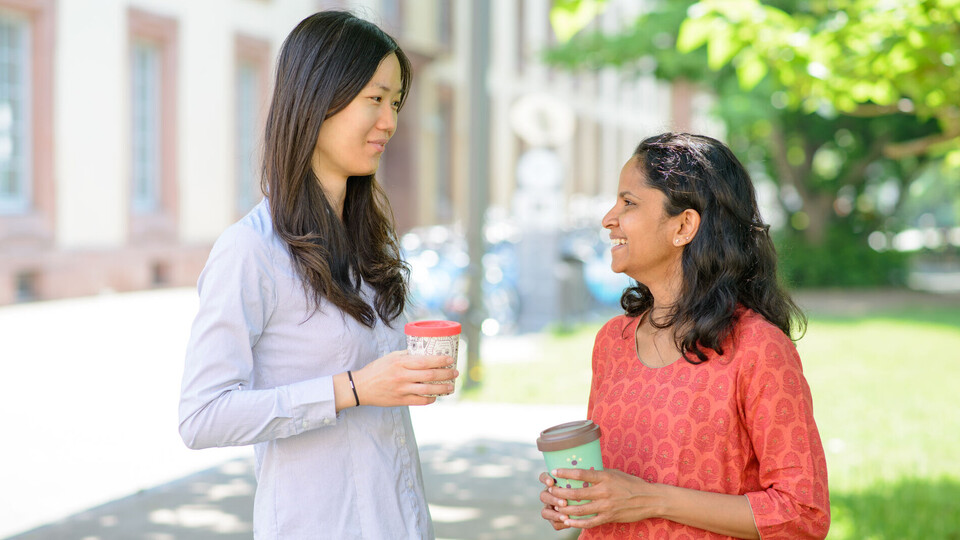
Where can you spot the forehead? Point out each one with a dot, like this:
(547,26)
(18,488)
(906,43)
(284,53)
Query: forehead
(631,177)
(388,75)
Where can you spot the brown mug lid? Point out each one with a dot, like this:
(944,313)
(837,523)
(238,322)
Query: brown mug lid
(568,435)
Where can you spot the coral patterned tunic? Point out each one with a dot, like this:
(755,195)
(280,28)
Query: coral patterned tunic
(741,423)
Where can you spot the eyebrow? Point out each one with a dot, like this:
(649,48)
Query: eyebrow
(625,193)
(386,88)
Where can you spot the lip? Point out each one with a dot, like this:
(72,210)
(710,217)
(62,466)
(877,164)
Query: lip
(379,144)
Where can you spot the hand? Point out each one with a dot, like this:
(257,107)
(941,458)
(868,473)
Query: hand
(551,504)
(401,379)
(615,497)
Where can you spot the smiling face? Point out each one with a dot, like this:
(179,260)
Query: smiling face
(646,241)
(351,141)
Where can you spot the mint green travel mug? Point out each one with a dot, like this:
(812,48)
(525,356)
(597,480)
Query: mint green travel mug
(574,445)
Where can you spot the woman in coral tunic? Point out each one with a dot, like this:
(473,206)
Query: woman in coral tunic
(706,418)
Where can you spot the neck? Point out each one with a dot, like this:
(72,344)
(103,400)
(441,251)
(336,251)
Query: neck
(336,194)
(665,293)
(334,186)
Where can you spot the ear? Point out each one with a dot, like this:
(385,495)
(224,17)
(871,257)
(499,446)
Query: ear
(687,225)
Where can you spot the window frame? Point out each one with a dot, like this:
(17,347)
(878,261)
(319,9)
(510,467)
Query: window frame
(32,225)
(254,52)
(159,224)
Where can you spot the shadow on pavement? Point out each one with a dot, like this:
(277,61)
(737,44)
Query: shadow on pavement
(485,489)
(478,490)
(213,504)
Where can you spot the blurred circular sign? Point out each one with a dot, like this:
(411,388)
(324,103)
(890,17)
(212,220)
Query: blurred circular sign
(542,119)
(539,169)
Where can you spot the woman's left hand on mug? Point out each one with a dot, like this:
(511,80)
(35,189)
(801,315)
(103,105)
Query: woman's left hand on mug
(615,497)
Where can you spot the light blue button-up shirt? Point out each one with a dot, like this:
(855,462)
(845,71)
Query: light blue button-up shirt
(259,370)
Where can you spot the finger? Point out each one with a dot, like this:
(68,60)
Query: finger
(437,375)
(572,494)
(585,509)
(418,400)
(555,518)
(418,362)
(550,500)
(546,479)
(584,475)
(426,389)
(552,514)
(584,523)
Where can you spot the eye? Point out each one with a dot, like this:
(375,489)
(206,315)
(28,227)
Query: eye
(396,104)
(376,99)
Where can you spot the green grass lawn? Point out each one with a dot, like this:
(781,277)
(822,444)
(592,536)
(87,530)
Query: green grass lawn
(886,390)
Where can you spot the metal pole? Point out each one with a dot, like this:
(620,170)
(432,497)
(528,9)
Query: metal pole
(478,188)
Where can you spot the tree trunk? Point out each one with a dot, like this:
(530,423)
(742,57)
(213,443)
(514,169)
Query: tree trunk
(819,208)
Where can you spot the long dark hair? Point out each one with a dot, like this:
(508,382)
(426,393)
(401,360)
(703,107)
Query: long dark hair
(324,63)
(731,262)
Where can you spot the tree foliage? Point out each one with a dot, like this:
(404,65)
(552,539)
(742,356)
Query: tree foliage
(861,57)
(841,103)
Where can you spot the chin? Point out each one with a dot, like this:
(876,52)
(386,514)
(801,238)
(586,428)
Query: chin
(364,172)
(371,170)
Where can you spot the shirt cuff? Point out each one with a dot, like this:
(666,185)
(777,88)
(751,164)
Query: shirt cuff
(312,403)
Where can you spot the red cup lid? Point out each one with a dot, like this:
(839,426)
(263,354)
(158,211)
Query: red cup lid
(432,328)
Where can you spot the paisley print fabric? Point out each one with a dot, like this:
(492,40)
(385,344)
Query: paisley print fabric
(741,423)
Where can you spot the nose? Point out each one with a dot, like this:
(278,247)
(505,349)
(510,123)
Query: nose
(609,220)
(387,121)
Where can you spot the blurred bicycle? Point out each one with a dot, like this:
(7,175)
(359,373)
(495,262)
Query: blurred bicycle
(439,275)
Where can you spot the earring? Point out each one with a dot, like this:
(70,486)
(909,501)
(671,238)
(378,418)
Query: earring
(676,241)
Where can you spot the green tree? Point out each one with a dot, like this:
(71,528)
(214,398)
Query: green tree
(843,148)
(862,57)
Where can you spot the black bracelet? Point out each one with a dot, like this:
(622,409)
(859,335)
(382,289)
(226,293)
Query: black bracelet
(354,388)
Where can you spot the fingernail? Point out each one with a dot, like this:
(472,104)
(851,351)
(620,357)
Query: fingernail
(553,472)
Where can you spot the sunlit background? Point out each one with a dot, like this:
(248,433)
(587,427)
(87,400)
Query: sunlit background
(130,134)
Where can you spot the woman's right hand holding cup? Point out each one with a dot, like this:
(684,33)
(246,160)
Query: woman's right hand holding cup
(398,379)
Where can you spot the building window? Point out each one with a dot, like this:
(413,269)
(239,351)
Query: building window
(250,91)
(15,150)
(153,185)
(248,100)
(145,132)
(26,286)
(26,139)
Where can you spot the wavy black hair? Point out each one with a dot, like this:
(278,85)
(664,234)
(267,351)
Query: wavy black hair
(731,262)
(324,63)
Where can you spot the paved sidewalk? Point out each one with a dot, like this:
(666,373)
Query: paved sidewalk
(482,487)
(89,404)
(91,449)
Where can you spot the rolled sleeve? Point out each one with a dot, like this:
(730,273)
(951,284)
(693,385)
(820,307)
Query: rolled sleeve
(778,411)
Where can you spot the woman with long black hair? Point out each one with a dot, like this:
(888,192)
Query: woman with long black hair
(707,427)
(298,346)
